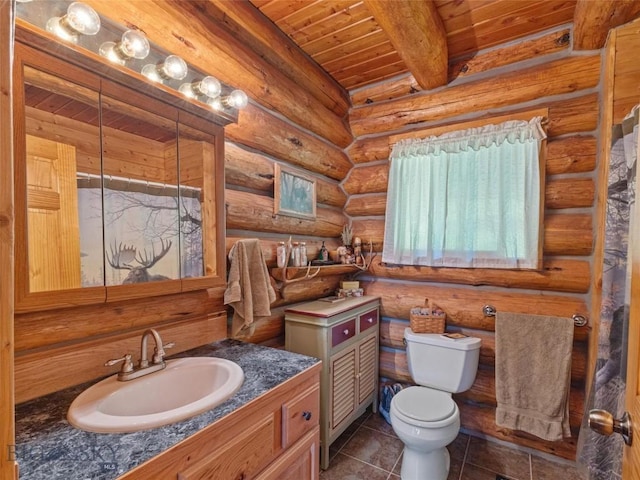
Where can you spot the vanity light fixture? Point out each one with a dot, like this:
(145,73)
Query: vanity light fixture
(133,44)
(208,86)
(79,19)
(173,68)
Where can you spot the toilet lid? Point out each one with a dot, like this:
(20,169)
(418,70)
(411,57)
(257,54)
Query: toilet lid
(424,404)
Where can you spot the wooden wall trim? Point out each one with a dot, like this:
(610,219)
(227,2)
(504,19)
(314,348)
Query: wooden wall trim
(7,423)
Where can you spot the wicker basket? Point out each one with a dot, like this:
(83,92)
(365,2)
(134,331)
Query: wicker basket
(427,318)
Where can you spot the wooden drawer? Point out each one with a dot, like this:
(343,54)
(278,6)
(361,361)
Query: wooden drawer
(300,415)
(368,320)
(343,332)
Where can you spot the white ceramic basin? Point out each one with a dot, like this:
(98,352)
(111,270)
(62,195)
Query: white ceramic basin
(186,387)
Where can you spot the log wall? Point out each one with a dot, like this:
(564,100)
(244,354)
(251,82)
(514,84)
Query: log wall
(567,85)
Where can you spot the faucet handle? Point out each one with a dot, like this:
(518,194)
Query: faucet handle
(127,365)
(159,353)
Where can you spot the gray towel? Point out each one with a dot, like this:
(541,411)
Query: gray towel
(249,289)
(533,374)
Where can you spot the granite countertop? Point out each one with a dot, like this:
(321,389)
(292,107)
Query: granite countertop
(47,447)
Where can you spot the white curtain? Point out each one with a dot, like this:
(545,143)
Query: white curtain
(466,198)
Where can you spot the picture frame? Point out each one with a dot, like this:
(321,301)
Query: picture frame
(294,193)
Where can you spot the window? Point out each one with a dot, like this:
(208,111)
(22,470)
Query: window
(469,198)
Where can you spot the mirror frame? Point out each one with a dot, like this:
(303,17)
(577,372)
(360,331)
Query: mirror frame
(42,51)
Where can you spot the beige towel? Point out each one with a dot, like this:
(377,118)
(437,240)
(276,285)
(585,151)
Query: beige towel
(249,289)
(533,374)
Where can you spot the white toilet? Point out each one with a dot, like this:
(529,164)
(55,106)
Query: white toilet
(425,417)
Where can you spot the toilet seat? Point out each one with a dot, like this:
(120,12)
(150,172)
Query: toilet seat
(423,404)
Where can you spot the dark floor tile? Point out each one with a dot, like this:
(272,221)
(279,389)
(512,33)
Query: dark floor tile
(498,459)
(377,422)
(344,467)
(458,447)
(544,469)
(374,447)
(473,472)
(344,437)
(455,468)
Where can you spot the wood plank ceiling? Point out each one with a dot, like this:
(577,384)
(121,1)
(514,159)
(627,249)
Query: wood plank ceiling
(344,37)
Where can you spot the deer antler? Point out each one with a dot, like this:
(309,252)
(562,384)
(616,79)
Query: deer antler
(150,262)
(364,267)
(121,256)
(286,281)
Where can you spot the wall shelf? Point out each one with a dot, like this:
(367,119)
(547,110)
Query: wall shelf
(299,272)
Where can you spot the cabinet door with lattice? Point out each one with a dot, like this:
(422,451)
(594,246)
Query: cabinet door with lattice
(343,386)
(367,371)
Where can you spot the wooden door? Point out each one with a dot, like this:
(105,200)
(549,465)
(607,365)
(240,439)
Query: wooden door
(52,203)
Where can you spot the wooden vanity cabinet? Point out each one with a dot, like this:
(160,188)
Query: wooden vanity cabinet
(276,436)
(344,335)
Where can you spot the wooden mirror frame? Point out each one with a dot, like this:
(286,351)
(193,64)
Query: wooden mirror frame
(80,68)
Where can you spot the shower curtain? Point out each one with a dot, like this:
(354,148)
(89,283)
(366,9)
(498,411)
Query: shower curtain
(601,456)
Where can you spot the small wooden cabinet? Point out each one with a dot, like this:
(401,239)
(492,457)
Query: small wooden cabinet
(344,335)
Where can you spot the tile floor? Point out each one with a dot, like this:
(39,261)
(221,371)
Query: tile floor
(370,450)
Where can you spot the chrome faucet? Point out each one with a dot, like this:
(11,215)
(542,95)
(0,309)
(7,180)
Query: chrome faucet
(129,372)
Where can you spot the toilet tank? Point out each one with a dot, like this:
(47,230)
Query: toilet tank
(442,363)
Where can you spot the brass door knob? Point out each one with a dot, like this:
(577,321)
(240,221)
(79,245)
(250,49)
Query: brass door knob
(602,422)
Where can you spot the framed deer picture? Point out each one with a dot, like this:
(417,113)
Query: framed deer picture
(294,193)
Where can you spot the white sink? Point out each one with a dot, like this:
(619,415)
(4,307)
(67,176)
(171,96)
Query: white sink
(186,387)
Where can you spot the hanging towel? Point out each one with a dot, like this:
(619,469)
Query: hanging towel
(533,374)
(249,289)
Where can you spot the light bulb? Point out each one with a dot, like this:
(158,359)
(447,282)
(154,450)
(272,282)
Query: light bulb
(216,104)
(151,72)
(237,99)
(173,67)
(80,18)
(108,50)
(209,86)
(133,44)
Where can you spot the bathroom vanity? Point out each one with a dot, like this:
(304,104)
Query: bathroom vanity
(344,335)
(268,430)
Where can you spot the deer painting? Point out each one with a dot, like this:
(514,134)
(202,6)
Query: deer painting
(123,255)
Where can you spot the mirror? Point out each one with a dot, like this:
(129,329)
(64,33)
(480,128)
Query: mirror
(140,194)
(201,188)
(120,193)
(62,125)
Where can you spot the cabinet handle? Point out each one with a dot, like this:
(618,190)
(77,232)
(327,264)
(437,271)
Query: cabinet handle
(346,331)
(306,415)
(370,320)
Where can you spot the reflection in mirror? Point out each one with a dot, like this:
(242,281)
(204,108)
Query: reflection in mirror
(197,201)
(140,195)
(62,145)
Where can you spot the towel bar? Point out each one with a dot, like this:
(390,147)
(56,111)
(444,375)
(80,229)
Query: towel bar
(578,320)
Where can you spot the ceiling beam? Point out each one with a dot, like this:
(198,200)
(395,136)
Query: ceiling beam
(593,19)
(417,32)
